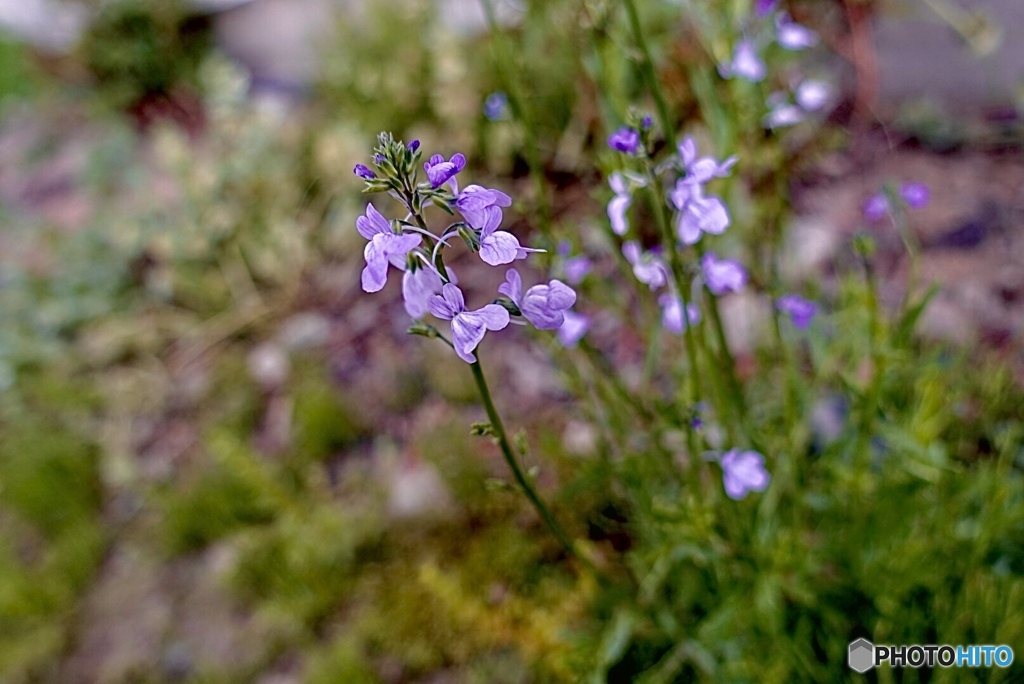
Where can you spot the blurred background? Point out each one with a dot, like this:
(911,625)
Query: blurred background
(220,461)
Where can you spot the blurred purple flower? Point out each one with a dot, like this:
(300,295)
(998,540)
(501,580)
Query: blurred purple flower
(574,327)
(647,266)
(619,205)
(646,122)
(875,207)
(468,327)
(723,275)
(916,195)
(813,94)
(745,64)
(801,311)
(384,246)
(743,472)
(417,287)
(542,305)
(440,171)
(576,269)
(672,313)
(762,8)
(702,169)
(364,172)
(624,140)
(697,214)
(495,105)
(793,36)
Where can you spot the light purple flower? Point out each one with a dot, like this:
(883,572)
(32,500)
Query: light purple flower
(916,195)
(468,327)
(542,305)
(697,214)
(743,472)
(619,205)
(672,313)
(702,169)
(764,7)
(574,327)
(813,94)
(793,36)
(722,275)
(647,266)
(876,207)
(495,105)
(477,203)
(499,247)
(784,114)
(364,172)
(624,140)
(646,122)
(384,246)
(576,268)
(440,171)
(417,287)
(745,64)
(801,311)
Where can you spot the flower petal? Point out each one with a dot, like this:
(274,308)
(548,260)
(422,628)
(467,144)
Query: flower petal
(513,286)
(372,224)
(500,247)
(467,331)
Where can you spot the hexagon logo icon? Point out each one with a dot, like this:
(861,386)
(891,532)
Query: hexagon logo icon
(862,655)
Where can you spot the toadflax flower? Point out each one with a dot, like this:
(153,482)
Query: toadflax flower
(495,105)
(498,247)
(801,311)
(385,246)
(468,327)
(722,275)
(619,205)
(672,313)
(476,203)
(793,36)
(745,64)
(574,327)
(542,305)
(916,195)
(743,472)
(364,172)
(440,171)
(625,140)
(702,169)
(697,214)
(647,266)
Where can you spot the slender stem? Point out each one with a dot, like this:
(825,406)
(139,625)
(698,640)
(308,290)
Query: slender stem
(647,69)
(517,471)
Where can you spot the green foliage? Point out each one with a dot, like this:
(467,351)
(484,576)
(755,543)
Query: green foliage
(138,49)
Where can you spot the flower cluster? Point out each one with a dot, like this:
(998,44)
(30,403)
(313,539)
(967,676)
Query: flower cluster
(884,203)
(428,286)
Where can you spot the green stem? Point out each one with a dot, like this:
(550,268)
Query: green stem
(647,70)
(517,471)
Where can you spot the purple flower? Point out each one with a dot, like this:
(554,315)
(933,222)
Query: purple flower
(440,171)
(743,472)
(876,207)
(576,269)
(619,205)
(574,327)
(745,64)
(477,204)
(801,311)
(413,145)
(702,169)
(916,195)
(672,313)
(722,275)
(384,246)
(624,140)
(813,94)
(647,267)
(364,172)
(646,122)
(417,287)
(697,214)
(498,247)
(468,327)
(784,114)
(542,305)
(793,36)
(495,105)
(764,7)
